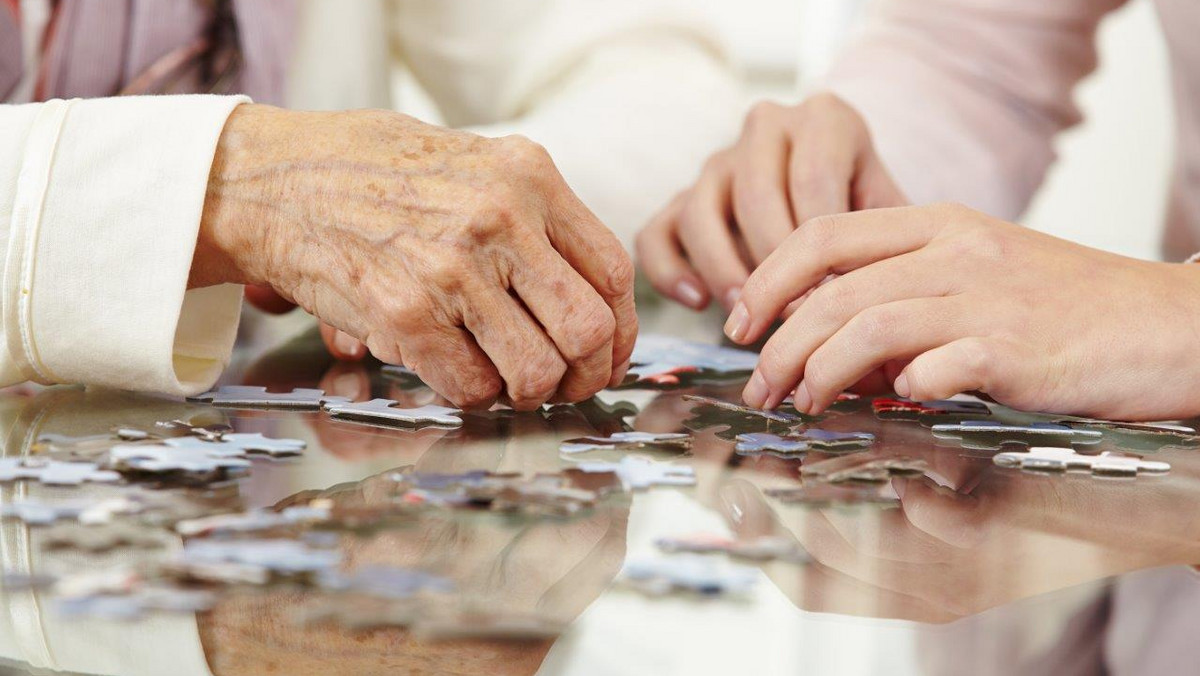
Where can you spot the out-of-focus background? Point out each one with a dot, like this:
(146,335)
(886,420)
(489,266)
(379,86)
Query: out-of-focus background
(1109,186)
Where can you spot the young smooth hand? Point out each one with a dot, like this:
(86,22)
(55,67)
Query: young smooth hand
(973,304)
(465,258)
(790,165)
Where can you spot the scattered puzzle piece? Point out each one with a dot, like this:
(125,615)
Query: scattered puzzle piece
(985,435)
(1053,459)
(928,413)
(1141,437)
(663,362)
(252,561)
(54,472)
(738,419)
(765,548)
(254,520)
(384,582)
(99,539)
(237,445)
(386,412)
(864,468)
(690,573)
(245,396)
(202,458)
(628,441)
(797,443)
(638,473)
(822,494)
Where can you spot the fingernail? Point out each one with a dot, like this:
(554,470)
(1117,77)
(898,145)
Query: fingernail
(347,344)
(738,323)
(689,294)
(801,399)
(756,392)
(618,375)
(732,296)
(901,385)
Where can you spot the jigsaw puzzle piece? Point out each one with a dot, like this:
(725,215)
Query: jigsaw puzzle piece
(765,548)
(757,443)
(738,419)
(928,413)
(386,412)
(247,396)
(822,495)
(54,472)
(689,573)
(628,441)
(1062,460)
(638,473)
(986,435)
(1139,437)
(864,469)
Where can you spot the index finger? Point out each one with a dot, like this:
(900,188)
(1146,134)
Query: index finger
(594,251)
(820,247)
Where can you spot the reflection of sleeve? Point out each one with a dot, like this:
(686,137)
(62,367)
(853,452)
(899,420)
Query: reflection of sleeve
(31,629)
(628,96)
(100,203)
(964,97)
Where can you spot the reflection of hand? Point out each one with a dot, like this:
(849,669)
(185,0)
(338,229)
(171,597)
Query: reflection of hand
(1000,536)
(953,290)
(791,164)
(466,258)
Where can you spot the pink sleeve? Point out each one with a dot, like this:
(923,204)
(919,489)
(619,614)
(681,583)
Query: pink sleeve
(964,97)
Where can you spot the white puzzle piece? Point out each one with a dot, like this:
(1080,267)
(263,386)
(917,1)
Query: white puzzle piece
(386,412)
(1052,459)
(247,396)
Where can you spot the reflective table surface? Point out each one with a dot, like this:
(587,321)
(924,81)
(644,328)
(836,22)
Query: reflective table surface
(973,568)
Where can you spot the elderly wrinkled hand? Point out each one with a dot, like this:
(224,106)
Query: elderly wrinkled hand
(790,165)
(465,258)
(971,303)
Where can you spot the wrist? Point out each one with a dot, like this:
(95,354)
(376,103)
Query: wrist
(237,220)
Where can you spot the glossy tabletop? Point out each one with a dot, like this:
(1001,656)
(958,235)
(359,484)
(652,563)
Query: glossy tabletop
(973,568)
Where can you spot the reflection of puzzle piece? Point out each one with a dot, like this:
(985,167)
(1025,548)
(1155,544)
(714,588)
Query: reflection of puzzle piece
(638,473)
(1143,437)
(384,581)
(99,539)
(664,362)
(756,443)
(88,512)
(245,396)
(928,413)
(53,472)
(834,495)
(690,573)
(864,469)
(599,482)
(200,458)
(1052,459)
(797,443)
(385,412)
(738,419)
(765,548)
(241,444)
(628,441)
(253,561)
(985,435)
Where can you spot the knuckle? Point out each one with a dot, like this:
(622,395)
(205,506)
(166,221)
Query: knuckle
(592,332)
(835,299)
(876,327)
(620,275)
(716,163)
(480,391)
(761,114)
(809,179)
(976,359)
(534,387)
(444,271)
(817,374)
(817,234)
(525,157)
